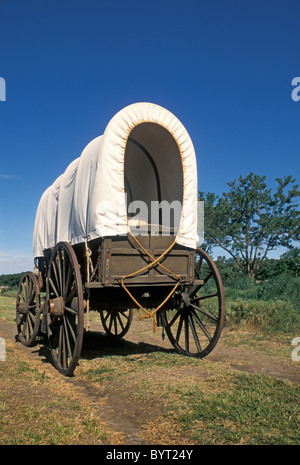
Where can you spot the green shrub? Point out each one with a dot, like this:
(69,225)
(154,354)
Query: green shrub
(269,316)
(281,287)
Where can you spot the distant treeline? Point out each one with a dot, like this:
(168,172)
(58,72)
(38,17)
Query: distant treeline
(288,264)
(10,280)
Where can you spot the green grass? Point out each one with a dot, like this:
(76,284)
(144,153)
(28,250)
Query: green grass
(36,409)
(272,316)
(253,410)
(208,402)
(35,374)
(196,401)
(8,307)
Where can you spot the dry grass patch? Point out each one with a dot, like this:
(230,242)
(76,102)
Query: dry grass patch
(38,408)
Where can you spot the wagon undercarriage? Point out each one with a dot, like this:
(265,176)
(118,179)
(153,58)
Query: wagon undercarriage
(57,301)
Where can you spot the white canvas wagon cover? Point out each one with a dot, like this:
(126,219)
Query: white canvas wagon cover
(145,153)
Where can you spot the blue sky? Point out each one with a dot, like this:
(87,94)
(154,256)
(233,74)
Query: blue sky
(224,68)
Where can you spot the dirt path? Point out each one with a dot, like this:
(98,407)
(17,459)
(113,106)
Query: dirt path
(131,417)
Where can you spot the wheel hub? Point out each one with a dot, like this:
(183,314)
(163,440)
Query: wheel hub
(56,306)
(23,308)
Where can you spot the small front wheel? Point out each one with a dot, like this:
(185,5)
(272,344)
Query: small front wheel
(28,309)
(116,323)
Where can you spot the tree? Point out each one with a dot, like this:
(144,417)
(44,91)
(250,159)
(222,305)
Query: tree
(248,221)
(289,262)
(10,280)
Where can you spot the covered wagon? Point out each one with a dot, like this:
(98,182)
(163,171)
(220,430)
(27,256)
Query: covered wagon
(117,231)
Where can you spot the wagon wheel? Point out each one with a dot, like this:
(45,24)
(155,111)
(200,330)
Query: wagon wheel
(116,323)
(65,317)
(28,309)
(195,325)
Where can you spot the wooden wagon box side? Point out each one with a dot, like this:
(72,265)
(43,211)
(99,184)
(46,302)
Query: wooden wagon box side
(117,257)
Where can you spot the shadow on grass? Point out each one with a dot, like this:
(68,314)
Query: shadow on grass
(97,344)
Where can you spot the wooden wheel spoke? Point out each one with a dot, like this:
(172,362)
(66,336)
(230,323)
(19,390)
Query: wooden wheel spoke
(26,288)
(68,331)
(53,321)
(31,318)
(204,312)
(59,267)
(201,325)
(194,332)
(208,296)
(32,307)
(120,321)
(186,334)
(110,322)
(177,314)
(71,329)
(55,325)
(179,327)
(70,310)
(25,328)
(208,277)
(71,295)
(68,282)
(60,342)
(20,297)
(124,315)
(54,287)
(29,290)
(194,290)
(53,265)
(106,316)
(24,291)
(115,324)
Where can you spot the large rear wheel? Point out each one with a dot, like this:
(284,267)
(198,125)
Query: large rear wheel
(65,312)
(196,323)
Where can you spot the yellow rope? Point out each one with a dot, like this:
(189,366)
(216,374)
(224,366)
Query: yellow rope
(88,254)
(150,265)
